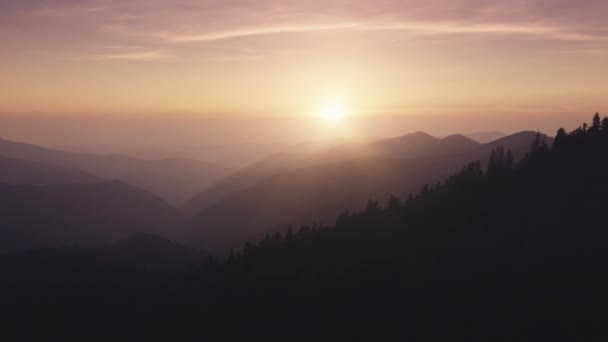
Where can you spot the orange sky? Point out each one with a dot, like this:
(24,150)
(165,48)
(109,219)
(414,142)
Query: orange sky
(286,58)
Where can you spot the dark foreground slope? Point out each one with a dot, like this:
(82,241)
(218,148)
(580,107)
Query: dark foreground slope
(56,215)
(508,254)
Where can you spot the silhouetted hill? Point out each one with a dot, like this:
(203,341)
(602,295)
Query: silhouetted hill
(242,179)
(418,145)
(56,215)
(485,137)
(175,179)
(15,171)
(236,155)
(320,193)
(304,195)
(138,252)
(409,146)
(519,144)
(514,252)
(455,144)
(151,251)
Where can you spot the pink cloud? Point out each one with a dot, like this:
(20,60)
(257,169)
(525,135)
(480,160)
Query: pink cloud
(167,24)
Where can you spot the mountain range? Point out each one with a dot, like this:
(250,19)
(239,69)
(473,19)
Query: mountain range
(16,171)
(515,249)
(56,198)
(174,179)
(37,216)
(301,188)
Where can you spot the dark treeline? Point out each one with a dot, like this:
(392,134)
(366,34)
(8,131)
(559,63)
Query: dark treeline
(512,252)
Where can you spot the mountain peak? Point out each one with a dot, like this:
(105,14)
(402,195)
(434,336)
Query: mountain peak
(523,137)
(459,139)
(485,136)
(420,134)
(417,137)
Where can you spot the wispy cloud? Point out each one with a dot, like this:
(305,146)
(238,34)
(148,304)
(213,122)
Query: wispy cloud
(165,28)
(542,31)
(133,56)
(250,32)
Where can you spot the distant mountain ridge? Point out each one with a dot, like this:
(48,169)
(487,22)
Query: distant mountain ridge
(408,146)
(37,216)
(16,171)
(321,191)
(64,206)
(175,179)
(138,252)
(485,137)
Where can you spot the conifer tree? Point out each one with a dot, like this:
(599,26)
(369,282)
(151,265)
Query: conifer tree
(596,124)
(394,204)
(560,138)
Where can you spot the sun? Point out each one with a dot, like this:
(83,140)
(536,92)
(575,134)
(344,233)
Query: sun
(333,111)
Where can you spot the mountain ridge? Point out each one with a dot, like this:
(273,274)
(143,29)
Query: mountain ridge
(17,171)
(36,216)
(295,196)
(175,179)
(391,149)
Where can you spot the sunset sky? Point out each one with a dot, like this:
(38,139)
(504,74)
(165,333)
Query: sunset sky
(289,57)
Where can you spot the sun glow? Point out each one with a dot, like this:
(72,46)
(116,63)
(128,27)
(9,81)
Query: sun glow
(333,111)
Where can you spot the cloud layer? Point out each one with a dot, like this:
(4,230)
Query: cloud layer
(164,23)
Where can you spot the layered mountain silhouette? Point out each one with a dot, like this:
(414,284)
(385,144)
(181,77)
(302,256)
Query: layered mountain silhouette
(35,216)
(223,154)
(485,137)
(409,146)
(269,195)
(16,171)
(153,252)
(175,179)
(137,252)
(316,188)
(508,251)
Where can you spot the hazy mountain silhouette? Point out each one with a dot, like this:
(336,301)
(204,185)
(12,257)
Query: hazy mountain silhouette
(150,251)
(417,145)
(485,137)
(242,179)
(56,215)
(408,146)
(135,253)
(319,193)
(15,171)
(236,155)
(176,179)
(513,252)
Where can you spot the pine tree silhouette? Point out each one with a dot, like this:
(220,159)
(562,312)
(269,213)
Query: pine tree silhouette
(596,123)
